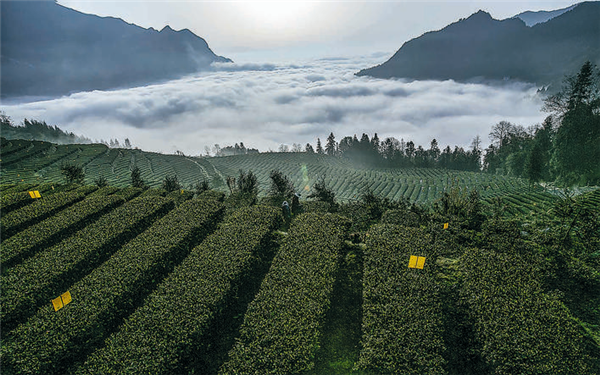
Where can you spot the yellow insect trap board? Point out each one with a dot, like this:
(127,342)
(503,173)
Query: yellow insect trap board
(416,262)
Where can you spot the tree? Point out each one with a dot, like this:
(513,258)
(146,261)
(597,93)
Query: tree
(319,147)
(281,186)
(330,147)
(127,143)
(433,152)
(322,193)
(534,164)
(136,178)
(309,149)
(72,173)
(500,133)
(101,181)
(247,183)
(201,187)
(171,183)
(577,105)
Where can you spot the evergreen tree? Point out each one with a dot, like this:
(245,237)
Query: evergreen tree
(576,150)
(72,173)
(330,147)
(136,178)
(319,147)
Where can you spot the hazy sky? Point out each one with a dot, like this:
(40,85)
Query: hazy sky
(286,30)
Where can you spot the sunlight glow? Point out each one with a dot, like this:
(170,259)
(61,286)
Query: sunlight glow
(277,16)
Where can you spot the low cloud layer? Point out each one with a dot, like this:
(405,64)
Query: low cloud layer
(265,105)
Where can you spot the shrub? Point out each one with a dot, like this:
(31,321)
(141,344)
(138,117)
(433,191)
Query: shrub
(170,183)
(105,296)
(32,283)
(52,230)
(282,326)
(402,312)
(166,330)
(73,173)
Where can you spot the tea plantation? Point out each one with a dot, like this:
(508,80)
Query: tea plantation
(192,282)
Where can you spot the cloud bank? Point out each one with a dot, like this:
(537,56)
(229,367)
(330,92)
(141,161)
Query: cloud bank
(265,105)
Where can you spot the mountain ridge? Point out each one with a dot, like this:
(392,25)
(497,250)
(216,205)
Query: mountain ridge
(51,50)
(483,48)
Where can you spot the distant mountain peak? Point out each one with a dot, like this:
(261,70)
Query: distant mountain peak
(533,18)
(48,49)
(481,48)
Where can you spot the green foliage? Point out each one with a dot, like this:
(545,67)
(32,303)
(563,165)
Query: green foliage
(34,282)
(402,312)
(101,181)
(247,184)
(281,329)
(10,202)
(108,294)
(323,193)
(170,183)
(522,329)
(402,217)
(136,179)
(41,235)
(72,173)
(281,186)
(161,335)
(14,221)
(201,187)
(462,208)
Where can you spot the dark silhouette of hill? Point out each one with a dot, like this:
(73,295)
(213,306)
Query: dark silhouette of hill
(482,48)
(49,50)
(533,18)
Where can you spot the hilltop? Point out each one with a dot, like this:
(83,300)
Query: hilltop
(482,48)
(49,50)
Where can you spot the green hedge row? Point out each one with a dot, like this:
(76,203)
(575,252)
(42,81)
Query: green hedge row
(129,192)
(107,190)
(51,341)
(18,196)
(402,311)
(55,228)
(39,210)
(162,333)
(44,276)
(13,201)
(281,329)
(18,188)
(522,329)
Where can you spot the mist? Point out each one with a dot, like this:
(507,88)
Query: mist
(266,105)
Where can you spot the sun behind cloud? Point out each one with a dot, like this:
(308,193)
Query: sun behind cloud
(277,16)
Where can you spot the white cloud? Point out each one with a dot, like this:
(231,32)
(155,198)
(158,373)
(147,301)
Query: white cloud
(264,105)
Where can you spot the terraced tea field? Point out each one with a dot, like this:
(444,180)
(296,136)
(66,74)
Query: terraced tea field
(170,284)
(35,162)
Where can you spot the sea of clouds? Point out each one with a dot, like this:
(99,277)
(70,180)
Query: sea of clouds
(266,105)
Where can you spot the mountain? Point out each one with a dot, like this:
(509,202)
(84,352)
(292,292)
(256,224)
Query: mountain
(533,18)
(482,48)
(50,50)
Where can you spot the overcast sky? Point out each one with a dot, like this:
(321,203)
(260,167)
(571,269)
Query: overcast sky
(261,31)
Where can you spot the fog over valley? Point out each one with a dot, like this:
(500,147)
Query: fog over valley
(265,105)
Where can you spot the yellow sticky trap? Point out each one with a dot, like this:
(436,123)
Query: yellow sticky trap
(66,297)
(35,194)
(32,194)
(445,225)
(61,301)
(57,303)
(416,262)
(181,191)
